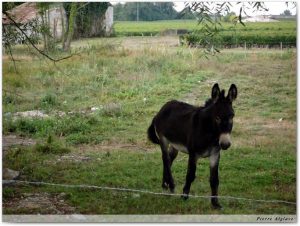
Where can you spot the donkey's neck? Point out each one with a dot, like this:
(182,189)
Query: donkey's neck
(208,108)
(209,102)
(205,115)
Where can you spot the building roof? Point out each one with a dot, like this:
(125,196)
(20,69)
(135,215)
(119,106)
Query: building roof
(21,14)
(259,18)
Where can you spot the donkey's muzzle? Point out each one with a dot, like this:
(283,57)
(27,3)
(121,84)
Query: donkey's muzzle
(224,141)
(225,146)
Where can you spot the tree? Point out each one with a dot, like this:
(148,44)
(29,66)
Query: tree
(89,19)
(10,5)
(144,11)
(11,34)
(71,22)
(44,27)
(14,33)
(82,19)
(63,28)
(210,24)
(229,17)
(186,13)
(286,13)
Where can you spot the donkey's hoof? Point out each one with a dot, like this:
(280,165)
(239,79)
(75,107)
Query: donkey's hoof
(184,196)
(217,206)
(165,186)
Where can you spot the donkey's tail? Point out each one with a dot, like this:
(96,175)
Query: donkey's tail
(152,134)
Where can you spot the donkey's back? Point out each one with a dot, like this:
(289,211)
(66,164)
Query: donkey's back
(173,121)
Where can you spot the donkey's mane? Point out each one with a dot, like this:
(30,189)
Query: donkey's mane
(210,101)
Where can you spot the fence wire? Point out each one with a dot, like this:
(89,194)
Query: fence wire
(7,182)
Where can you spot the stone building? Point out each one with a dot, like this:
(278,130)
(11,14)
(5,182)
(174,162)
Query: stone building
(109,21)
(57,19)
(28,12)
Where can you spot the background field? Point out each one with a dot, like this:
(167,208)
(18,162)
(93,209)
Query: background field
(262,33)
(126,81)
(126,27)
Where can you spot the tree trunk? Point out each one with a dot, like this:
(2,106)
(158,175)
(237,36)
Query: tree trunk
(63,32)
(72,19)
(49,39)
(44,34)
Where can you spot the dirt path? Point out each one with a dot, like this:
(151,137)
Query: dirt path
(13,140)
(38,203)
(146,42)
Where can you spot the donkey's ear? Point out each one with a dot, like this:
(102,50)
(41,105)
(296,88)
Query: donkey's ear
(215,92)
(232,93)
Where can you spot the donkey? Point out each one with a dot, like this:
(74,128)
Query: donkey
(197,131)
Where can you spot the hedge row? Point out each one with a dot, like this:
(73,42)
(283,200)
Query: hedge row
(230,40)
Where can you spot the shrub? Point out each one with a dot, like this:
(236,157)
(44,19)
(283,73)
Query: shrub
(49,100)
(229,40)
(77,138)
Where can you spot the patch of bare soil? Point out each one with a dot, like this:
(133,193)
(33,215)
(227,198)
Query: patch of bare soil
(112,147)
(38,203)
(71,158)
(154,42)
(13,140)
(17,58)
(266,123)
(263,131)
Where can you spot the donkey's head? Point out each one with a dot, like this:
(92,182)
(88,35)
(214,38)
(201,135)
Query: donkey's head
(223,113)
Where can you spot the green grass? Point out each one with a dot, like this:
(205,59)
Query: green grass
(154,27)
(261,164)
(131,28)
(267,178)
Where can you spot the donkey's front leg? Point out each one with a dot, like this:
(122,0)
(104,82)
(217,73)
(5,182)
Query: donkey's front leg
(214,179)
(190,176)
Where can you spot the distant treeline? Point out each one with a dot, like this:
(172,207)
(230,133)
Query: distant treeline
(148,11)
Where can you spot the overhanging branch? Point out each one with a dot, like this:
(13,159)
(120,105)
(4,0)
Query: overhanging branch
(32,43)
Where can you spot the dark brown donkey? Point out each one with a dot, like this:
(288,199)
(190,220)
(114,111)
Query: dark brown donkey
(197,131)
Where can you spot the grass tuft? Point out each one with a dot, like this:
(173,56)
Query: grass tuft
(51,146)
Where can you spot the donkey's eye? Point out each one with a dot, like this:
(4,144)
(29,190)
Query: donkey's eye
(218,120)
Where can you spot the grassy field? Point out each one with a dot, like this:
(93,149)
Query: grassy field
(108,146)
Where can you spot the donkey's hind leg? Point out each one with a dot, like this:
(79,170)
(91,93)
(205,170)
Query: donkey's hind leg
(168,181)
(173,154)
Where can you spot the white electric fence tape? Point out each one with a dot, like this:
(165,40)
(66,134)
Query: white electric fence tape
(140,191)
